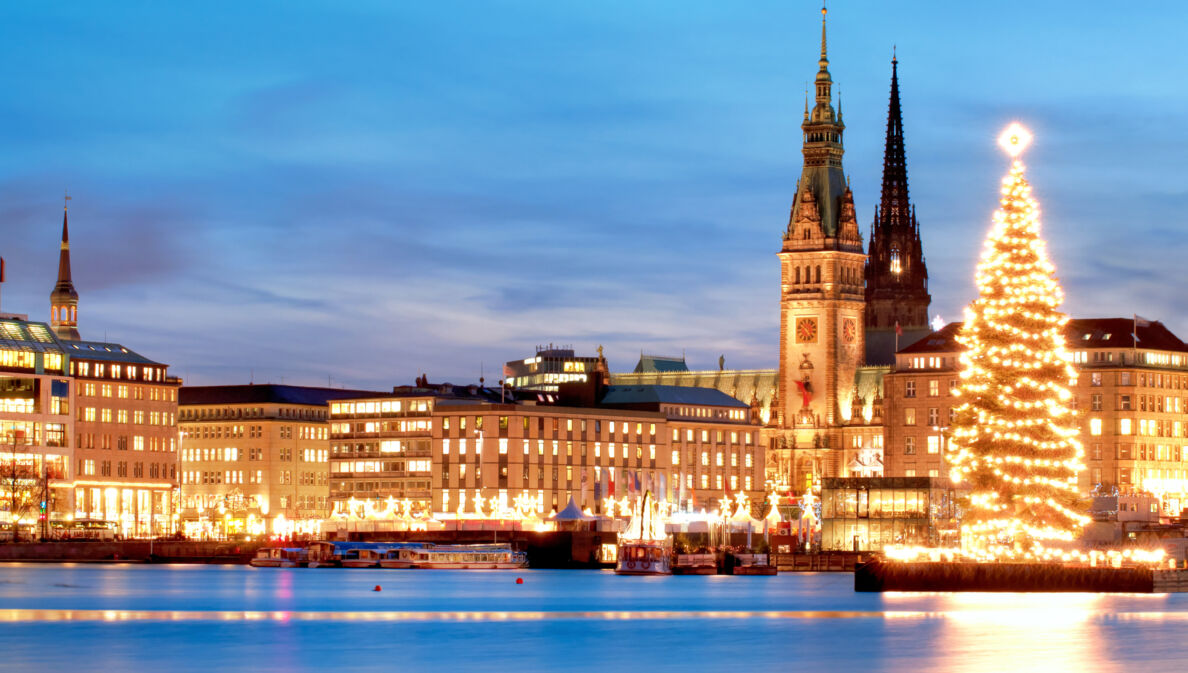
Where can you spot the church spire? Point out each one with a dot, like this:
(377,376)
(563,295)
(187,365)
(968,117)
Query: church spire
(64,298)
(896,277)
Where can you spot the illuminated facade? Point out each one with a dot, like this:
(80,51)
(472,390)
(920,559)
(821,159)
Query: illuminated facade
(691,448)
(255,458)
(442,447)
(125,438)
(1131,399)
(380,445)
(36,399)
(548,370)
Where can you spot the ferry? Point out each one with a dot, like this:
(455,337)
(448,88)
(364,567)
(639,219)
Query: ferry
(367,557)
(280,557)
(352,554)
(644,557)
(456,557)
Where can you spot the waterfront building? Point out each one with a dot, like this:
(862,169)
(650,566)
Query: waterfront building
(381,444)
(442,447)
(125,438)
(93,422)
(859,514)
(36,402)
(1131,397)
(691,446)
(255,458)
(546,371)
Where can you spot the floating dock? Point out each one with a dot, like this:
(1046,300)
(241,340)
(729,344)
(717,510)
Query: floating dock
(879,576)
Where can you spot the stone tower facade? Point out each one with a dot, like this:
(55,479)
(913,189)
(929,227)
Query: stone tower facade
(64,298)
(896,277)
(821,286)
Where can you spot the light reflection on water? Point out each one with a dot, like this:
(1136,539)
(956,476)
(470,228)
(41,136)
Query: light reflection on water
(85,617)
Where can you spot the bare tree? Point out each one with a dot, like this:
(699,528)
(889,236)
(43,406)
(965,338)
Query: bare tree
(22,483)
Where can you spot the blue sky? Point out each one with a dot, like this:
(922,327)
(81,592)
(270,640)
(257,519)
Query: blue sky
(361,192)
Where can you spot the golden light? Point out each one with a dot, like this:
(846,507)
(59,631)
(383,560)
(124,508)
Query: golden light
(1014,139)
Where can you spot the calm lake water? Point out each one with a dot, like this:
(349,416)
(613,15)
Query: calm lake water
(74,618)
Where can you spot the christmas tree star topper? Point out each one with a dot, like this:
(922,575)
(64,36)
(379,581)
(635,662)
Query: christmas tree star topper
(1014,139)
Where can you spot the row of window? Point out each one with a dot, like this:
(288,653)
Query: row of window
(91,440)
(90,467)
(102,370)
(138,416)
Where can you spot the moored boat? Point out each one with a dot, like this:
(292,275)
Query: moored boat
(457,557)
(644,557)
(752,564)
(695,564)
(366,557)
(280,557)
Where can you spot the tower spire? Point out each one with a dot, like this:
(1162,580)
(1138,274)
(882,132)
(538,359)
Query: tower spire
(64,298)
(824,57)
(896,277)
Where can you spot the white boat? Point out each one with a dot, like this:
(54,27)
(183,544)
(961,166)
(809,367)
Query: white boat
(363,558)
(644,557)
(280,557)
(457,557)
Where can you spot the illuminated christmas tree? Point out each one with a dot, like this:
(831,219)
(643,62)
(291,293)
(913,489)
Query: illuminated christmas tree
(1015,437)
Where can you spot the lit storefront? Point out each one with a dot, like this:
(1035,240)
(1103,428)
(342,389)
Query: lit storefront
(865,514)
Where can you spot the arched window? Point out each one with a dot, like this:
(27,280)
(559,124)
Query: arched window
(798,275)
(896,266)
(818,273)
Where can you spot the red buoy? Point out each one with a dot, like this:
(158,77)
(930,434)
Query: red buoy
(519,580)
(377,588)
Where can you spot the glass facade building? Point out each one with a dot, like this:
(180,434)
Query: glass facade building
(865,514)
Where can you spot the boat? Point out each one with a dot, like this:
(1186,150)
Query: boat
(366,557)
(695,564)
(325,554)
(752,564)
(456,557)
(280,557)
(644,557)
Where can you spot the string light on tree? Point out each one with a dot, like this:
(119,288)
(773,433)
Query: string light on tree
(1015,437)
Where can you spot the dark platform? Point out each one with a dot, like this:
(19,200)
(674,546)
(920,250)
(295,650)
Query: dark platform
(1021,577)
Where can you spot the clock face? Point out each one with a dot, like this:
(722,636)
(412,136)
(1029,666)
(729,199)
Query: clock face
(849,330)
(806,330)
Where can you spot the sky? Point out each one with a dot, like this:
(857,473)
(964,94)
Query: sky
(353,194)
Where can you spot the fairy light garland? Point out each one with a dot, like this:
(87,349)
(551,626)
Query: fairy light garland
(1014,439)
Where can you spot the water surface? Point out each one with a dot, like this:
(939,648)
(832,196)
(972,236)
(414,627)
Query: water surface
(83,617)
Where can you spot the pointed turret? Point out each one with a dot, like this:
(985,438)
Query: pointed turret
(822,178)
(64,298)
(896,276)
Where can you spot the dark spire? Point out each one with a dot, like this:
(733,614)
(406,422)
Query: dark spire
(895,208)
(896,277)
(64,255)
(64,298)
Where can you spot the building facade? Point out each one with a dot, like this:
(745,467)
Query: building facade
(1131,398)
(255,459)
(549,369)
(125,438)
(380,445)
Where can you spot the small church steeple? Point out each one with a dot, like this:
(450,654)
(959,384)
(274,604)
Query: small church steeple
(64,298)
